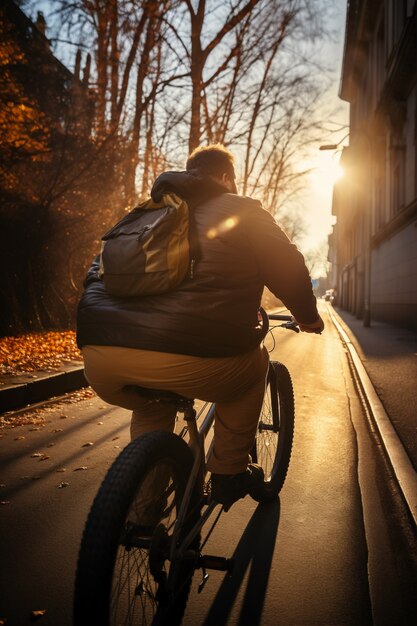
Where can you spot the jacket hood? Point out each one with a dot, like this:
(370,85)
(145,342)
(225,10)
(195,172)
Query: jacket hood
(191,186)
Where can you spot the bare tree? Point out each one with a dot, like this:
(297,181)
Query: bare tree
(166,76)
(227,66)
(317,261)
(253,86)
(205,45)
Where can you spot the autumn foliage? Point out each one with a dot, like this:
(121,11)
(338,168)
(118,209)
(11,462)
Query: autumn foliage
(37,351)
(57,188)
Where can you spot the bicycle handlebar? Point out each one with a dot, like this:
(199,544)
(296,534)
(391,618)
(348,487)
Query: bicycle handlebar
(278,316)
(290,324)
(288,320)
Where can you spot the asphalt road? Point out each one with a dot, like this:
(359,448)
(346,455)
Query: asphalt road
(327,553)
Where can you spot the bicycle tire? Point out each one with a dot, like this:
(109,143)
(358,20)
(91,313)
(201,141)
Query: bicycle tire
(116,581)
(275,432)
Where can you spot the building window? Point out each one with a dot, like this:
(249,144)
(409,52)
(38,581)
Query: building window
(396,14)
(380,70)
(399,17)
(379,186)
(415,151)
(398,179)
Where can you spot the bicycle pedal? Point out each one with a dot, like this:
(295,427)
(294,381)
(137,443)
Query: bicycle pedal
(220,563)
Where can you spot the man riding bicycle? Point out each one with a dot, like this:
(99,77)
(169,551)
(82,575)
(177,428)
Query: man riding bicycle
(202,339)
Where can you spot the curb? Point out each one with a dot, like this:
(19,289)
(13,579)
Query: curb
(402,467)
(18,396)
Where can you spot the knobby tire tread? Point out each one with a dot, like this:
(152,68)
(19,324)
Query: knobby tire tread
(278,414)
(108,512)
(286,400)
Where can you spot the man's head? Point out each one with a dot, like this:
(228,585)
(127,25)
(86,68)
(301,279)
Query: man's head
(215,161)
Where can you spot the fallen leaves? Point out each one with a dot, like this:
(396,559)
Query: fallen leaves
(42,456)
(86,445)
(12,419)
(62,485)
(37,351)
(24,418)
(35,615)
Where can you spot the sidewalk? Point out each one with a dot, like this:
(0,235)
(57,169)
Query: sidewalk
(389,355)
(16,392)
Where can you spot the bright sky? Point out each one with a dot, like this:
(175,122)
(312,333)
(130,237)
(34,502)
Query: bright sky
(317,199)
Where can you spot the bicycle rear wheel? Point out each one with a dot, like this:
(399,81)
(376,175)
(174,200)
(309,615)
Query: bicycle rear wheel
(275,433)
(123,567)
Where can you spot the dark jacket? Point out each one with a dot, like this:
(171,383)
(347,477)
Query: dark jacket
(213,313)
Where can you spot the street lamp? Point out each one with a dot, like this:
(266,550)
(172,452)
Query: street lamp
(330,146)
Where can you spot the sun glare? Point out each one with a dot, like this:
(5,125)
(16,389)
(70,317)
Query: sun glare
(335,171)
(323,172)
(326,174)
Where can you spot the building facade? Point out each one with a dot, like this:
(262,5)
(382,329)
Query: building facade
(373,246)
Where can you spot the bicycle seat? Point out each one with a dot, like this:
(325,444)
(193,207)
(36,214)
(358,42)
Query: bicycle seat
(161,395)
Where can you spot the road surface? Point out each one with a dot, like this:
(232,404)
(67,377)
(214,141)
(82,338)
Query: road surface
(331,551)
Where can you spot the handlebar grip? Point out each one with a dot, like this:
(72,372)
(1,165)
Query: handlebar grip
(278,316)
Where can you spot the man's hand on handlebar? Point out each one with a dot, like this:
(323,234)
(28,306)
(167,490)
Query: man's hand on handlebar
(316,327)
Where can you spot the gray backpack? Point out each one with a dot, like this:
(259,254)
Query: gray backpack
(148,250)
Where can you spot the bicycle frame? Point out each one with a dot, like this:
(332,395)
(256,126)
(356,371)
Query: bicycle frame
(197,437)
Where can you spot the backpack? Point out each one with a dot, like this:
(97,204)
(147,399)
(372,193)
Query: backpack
(147,252)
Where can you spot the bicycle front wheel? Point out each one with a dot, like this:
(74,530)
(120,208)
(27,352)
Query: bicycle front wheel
(124,575)
(275,433)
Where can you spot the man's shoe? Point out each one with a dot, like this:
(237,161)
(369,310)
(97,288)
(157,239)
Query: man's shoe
(228,488)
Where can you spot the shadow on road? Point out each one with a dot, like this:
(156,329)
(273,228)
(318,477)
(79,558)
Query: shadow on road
(255,551)
(72,455)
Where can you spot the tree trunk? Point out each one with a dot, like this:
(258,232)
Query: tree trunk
(114,64)
(102,65)
(196,71)
(143,71)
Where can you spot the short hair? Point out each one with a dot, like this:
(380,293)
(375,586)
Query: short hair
(212,160)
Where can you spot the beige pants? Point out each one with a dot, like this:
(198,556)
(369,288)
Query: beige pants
(235,384)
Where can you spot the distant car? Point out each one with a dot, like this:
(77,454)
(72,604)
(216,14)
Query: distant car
(330,296)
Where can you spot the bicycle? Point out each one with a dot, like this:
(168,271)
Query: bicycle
(143,539)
